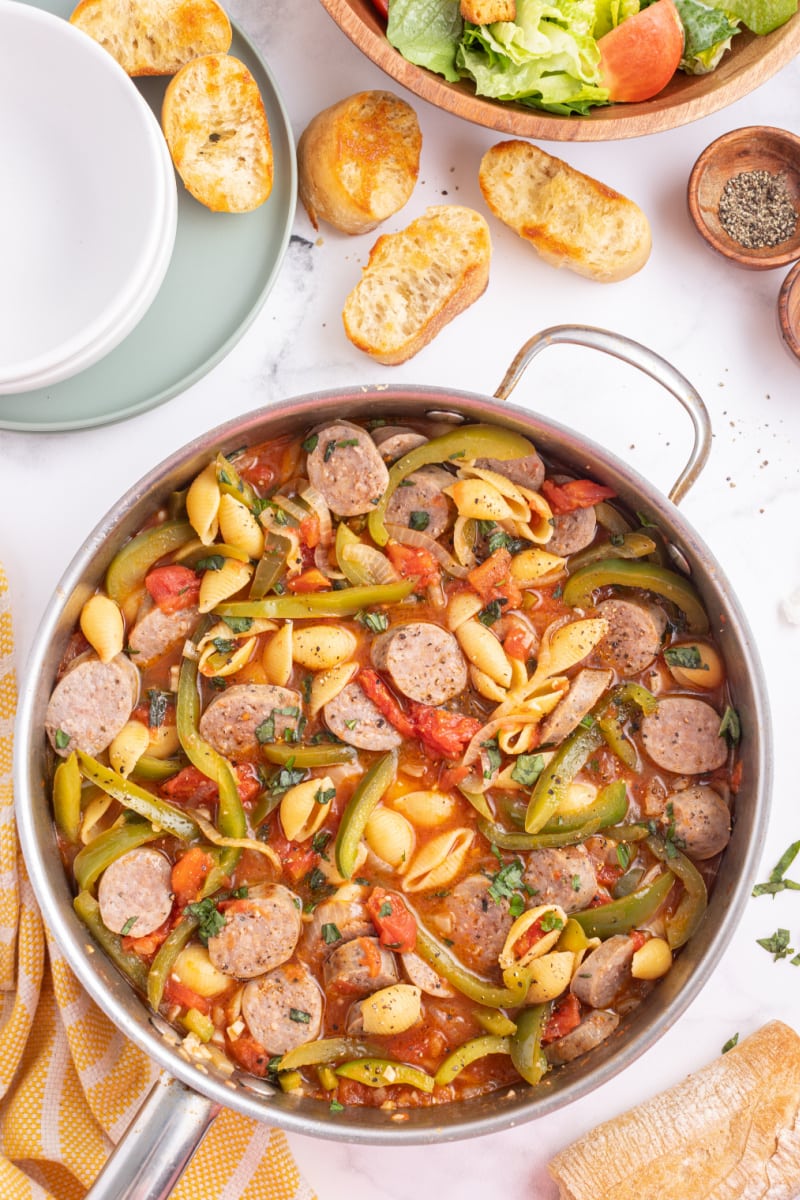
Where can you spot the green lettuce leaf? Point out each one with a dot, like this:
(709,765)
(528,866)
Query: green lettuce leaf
(761,16)
(708,35)
(427,33)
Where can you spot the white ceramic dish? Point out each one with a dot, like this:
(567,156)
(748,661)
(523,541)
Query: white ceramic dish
(93,209)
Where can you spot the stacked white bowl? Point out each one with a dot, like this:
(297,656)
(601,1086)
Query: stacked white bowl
(88,203)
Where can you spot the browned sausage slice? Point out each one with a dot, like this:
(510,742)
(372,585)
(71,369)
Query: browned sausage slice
(359,968)
(346,467)
(699,821)
(135,893)
(259,933)
(354,719)
(572,531)
(424,661)
(419,503)
(156,632)
(682,735)
(585,690)
(283,1009)
(527,472)
(424,977)
(563,876)
(394,441)
(603,972)
(595,1027)
(476,924)
(634,635)
(91,704)
(238,720)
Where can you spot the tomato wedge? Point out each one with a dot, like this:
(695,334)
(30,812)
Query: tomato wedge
(640,56)
(396,926)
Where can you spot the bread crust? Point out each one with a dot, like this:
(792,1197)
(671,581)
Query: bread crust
(571,219)
(418,280)
(731,1131)
(155,37)
(358,161)
(218,135)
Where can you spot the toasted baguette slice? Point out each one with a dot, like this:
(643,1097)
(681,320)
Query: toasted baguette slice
(416,281)
(569,218)
(358,161)
(729,1132)
(217,132)
(155,37)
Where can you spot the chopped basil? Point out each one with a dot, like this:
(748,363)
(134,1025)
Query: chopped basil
(214,562)
(330,933)
(549,922)
(730,726)
(265,732)
(494,756)
(375,622)
(516,905)
(300,1016)
(507,881)
(217,682)
(306,685)
(576,883)
(617,539)
(527,769)
(62,739)
(685,656)
(419,519)
(731,1042)
(362,881)
(316,879)
(286,778)
(351,723)
(491,613)
(324,797)
(274,1064)
(128,926)
(498,539)
(335,1107)
(777,944)
(210,918)
(623,855)
(158,707)
(329,449)
(385,909)
(239,624)
(310,444)
(223,645)
(347,442)
(776,882)
(320,841)
(586,722)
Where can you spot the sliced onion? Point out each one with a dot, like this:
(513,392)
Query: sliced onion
(244,843)
(413,537)
(464,533)
(322,561)
(316,503)
(290,506)
(367,564)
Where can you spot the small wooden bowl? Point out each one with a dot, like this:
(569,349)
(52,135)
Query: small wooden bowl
(753,148)
(789,310)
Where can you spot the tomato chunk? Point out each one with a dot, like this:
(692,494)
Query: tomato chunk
(445,734)
(492,580)
(565,1017)
(189,874)
(396,925)
(575,494)
(173,587)
(412,562)
(309,581)
(374,687)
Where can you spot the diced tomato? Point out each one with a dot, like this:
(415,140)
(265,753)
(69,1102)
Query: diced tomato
(249,1054)
(492,580)
(530,937)
(249,783)
(736,777)
(576,493)
(451,777)
(396,926)
(518,643)
(189,874)
(412,562)
(444,734)
(264,464)
(309,581)
(191,786)
(176,992)
(146,945)
(173,587)
(309,530)
(565,1017)
(297,860)
(374,687)
(608,874)
(638,938)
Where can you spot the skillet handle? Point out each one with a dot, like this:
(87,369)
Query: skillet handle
(149,1160)
(638,356)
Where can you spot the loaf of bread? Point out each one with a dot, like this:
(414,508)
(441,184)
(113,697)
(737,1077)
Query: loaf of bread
(729,1132)
(569,218)
(358,161)
(416,281)
(155,37)
(218,135)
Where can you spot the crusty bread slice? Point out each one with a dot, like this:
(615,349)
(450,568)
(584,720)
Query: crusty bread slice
(416,281)
(571,219)
(358,161)
(155,37)
(217,132)
(486,12)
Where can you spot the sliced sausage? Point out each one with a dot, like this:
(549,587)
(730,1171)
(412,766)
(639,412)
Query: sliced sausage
(425,978)
(394,441)
(135,893)
(419,503)
(527,472)
(354,1023)
(634,635)
(237,717)
(156,632)
(699,821)
(595,1027)
(563,876)
(346,467)
(572,531)
(476,924)
(424,661)
(283,1009)
(603,972)
(91,704)
(682,735)
(354,719)
(359,968)
(348,917)
(258,934)
(585,690)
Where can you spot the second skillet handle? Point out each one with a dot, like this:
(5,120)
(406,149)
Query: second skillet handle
(638,356)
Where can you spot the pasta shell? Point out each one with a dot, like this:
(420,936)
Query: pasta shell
(328,684)
(486,685)
(391,837)
(439,861)
(103,627)
(132,741)
(540,520)
(508,490)
(477,499)
(329,869)
(95,809)
(518,740)
(463,606)
(202,504)
(532,567)
(484,651)
(426,810)
(277,657)
(195,970)
(550,976)
(164,741)
(464,532)
(392,1009)
(220,585)
(709,673)
(305,806)
(320,647)
(652,960)
(239,527)
(551,915)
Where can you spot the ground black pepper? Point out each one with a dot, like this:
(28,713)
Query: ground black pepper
(756,209)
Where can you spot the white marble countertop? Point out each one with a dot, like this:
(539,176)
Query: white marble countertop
(715,322)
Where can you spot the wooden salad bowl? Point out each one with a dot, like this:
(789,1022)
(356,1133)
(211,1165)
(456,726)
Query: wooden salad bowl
(750,62)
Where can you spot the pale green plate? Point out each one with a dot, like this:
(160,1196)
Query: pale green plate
(221,272)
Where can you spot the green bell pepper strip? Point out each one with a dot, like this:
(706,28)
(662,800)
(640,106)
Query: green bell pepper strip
(270,566)
(612,715)
(231,819)
(572,938)
(324,755)
(494,1021)
(467,442)
(155,770)
(129,566)
(525,1046)
(231,483)
(478,802)
(628,882)
(345,603)
(609,806)
(164,817)
(126,961)
(621,916)
(382,1072)
(67,797)
(193,1021)
(464,981)
(107,847)
(324,1050)
(369,791)
(470,1052)
(630,545)
(628,833)
(620,572)
(683,923)
(166,956)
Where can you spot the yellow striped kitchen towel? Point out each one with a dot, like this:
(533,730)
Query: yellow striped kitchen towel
(70,1082)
